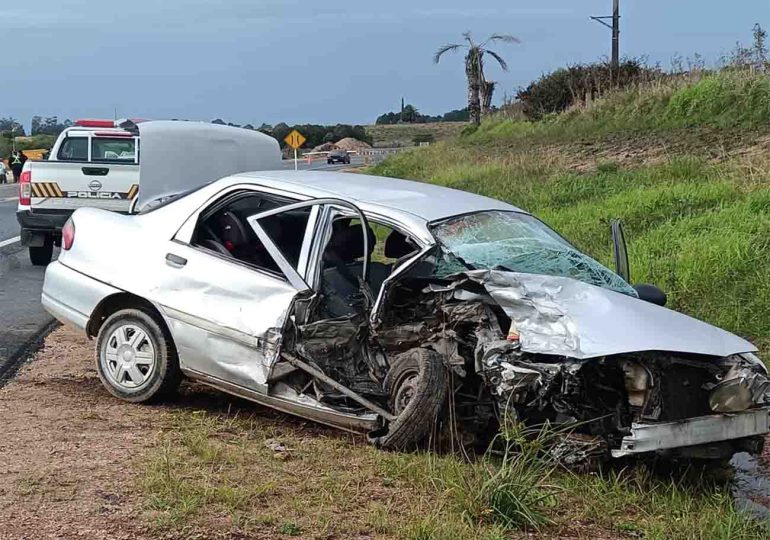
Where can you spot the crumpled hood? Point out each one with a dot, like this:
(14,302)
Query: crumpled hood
(562,316)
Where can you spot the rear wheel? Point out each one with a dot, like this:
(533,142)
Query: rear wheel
(41,255)
(136,358)
(417,385)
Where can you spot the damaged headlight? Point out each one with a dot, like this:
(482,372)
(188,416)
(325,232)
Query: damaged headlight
(745,385)
(754,360)
(638,381)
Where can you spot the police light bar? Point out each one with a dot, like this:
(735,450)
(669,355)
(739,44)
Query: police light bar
(95,123)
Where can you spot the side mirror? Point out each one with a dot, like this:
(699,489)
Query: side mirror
(650,293)
(619,249)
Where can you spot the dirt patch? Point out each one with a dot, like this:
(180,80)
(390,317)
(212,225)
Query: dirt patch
(636,150)
(69,449)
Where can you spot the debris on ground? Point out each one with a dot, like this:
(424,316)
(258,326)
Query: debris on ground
(279,449)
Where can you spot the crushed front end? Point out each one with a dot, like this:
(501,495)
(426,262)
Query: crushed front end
(516,345)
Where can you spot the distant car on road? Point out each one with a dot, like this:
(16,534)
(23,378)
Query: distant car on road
(338,156)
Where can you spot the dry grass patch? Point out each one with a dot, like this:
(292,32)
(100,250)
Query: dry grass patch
(222,471)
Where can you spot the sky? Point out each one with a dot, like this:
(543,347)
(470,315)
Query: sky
(329,61)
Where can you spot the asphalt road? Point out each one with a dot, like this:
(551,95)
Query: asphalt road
(9,227)
(319,164)
(22,318)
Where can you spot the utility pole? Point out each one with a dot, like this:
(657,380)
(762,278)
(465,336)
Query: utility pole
(615,27)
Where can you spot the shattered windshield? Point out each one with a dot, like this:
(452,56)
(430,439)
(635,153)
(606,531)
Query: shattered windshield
(517,242)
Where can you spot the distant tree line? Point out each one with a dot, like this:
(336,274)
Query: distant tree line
(8,124)
(314,133)
(410,115)
(49,125)
(40,126)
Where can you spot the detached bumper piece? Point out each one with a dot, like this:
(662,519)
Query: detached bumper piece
(694,431)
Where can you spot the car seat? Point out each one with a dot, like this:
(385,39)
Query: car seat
(342,271)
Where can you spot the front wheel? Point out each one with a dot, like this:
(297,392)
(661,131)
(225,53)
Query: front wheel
(417,385)
(136,358)
(41,255)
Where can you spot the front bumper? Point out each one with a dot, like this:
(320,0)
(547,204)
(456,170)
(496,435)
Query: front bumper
(72,297)
(694,431)
(35,226)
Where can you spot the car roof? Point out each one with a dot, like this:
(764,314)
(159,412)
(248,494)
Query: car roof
(426,201)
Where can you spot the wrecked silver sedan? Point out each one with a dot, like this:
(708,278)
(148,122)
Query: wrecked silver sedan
(388,306)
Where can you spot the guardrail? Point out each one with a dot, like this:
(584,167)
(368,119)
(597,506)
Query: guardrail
(382,151)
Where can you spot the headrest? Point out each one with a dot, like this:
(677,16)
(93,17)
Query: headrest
(232,230)
(397,245)
(347,245)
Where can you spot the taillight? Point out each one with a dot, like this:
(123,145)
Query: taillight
(68,235)
(25,188)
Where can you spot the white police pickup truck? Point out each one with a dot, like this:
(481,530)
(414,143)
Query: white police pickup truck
(97,163)
(94,163)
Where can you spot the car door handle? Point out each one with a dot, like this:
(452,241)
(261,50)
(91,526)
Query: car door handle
(95,171)
(175,260)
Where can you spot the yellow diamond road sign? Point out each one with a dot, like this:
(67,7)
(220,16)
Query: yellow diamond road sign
(295,139)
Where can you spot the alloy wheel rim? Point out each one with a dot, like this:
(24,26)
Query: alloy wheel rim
(129,357)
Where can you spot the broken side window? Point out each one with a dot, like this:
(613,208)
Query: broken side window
(517,242)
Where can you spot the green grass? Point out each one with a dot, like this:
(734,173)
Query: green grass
(213,473)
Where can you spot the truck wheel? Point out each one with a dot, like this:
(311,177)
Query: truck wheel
(136,358)
(417,385)
(41,255)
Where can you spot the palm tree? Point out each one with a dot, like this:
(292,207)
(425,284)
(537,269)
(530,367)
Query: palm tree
(474,67)
(486,91)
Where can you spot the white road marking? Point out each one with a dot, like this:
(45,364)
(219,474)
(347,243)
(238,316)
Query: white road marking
(9,241)
(6,199)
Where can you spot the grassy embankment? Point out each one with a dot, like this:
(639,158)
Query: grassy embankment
(403,134)
(686,167)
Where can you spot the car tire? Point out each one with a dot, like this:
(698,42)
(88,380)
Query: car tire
(417,385)
(125,338)
(41,255)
